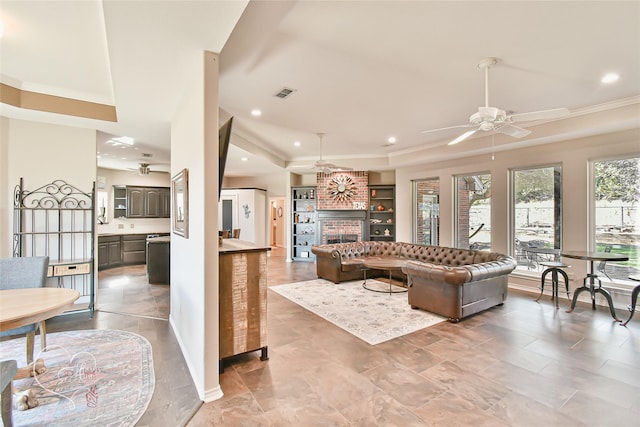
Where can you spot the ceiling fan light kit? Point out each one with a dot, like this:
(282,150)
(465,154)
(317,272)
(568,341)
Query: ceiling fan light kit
(491,119)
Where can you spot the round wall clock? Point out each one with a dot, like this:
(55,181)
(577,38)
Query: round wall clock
(341,188)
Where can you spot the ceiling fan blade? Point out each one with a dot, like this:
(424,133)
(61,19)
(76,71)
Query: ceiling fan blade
(329,167)
(515,131)
(464,136)
(447,128)
(539,115)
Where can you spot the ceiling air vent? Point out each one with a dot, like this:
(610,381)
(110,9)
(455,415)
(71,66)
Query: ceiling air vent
(147,155)
(284,92)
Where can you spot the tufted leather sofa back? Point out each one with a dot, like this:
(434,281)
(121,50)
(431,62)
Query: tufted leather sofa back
(350,250)
(438,254)
(385,249)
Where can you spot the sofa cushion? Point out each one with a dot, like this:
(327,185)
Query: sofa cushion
(352,264)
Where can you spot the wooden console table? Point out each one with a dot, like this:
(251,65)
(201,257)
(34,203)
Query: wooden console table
(243,298)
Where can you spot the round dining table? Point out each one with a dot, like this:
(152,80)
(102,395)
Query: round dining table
(19,307)
(589,282)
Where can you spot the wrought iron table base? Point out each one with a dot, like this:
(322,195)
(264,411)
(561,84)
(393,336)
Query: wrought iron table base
(632,306)
(593,290)
(555,283)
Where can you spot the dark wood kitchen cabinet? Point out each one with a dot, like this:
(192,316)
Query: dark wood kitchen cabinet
(134,249)
(165,202)
(122,249)
(109,252)
(148,202)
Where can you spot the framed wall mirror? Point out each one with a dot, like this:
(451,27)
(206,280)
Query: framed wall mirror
(180,203)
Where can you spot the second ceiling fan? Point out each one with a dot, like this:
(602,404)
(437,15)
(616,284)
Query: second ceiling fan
(489,119)
(324,166)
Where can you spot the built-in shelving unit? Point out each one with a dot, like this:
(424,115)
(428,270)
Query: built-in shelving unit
(382,212)
(304,223)
(57,220)
(119,202)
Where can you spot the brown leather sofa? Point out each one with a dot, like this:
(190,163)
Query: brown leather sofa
(451,282)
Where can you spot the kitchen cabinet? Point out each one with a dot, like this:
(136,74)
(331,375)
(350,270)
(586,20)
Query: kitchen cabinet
(141,202)
(109,252)
(159,260)
(134,249)
(135,202)
(123,249)
(165,202)
(119,202)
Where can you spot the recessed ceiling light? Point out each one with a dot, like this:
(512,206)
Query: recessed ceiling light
(296,143)
(392,140)
(256,113)
(610,78)
(244,159)
(122,140)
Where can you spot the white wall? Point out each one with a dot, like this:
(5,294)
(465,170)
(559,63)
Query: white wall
(250,213)
(275,184)
(41,153)
(574,156)
(194,261)
(132,225)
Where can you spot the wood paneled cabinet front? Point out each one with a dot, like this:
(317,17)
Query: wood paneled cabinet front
(148,202)
(109,252)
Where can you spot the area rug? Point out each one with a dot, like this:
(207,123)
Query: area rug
(373,317)
(93,378)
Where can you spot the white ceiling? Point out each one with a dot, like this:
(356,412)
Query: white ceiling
(362,71)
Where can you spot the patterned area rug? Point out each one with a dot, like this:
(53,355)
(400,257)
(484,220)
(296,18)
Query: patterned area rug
(93,378)
(373,317)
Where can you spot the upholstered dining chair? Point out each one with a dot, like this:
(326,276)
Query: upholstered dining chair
(25,272)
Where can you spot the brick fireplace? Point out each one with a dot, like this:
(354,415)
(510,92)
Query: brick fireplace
(341,226)
(342,220)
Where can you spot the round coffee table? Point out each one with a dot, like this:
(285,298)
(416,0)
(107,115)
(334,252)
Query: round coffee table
(386,264)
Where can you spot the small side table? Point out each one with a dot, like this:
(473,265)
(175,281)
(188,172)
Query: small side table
(555,268)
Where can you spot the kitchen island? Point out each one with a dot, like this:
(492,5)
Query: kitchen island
(159,260)
(243,298)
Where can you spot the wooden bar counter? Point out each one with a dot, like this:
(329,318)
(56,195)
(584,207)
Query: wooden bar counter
(243,298)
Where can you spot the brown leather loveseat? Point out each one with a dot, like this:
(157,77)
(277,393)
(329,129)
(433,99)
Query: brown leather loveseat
(451,282)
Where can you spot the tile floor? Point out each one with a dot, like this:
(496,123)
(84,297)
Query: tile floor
(521,364)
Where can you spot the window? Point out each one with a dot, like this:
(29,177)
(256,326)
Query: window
(536,215)
(616,219)
(426,218)
(473,211)
(102,207)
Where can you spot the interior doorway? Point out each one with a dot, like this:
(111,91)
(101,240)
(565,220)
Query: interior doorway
(277,222)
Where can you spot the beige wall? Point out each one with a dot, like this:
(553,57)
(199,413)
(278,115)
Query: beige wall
(40,153)
(194,261)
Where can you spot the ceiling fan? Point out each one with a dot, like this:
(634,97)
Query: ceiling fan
(144,169)
(494,119)
(324,166)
